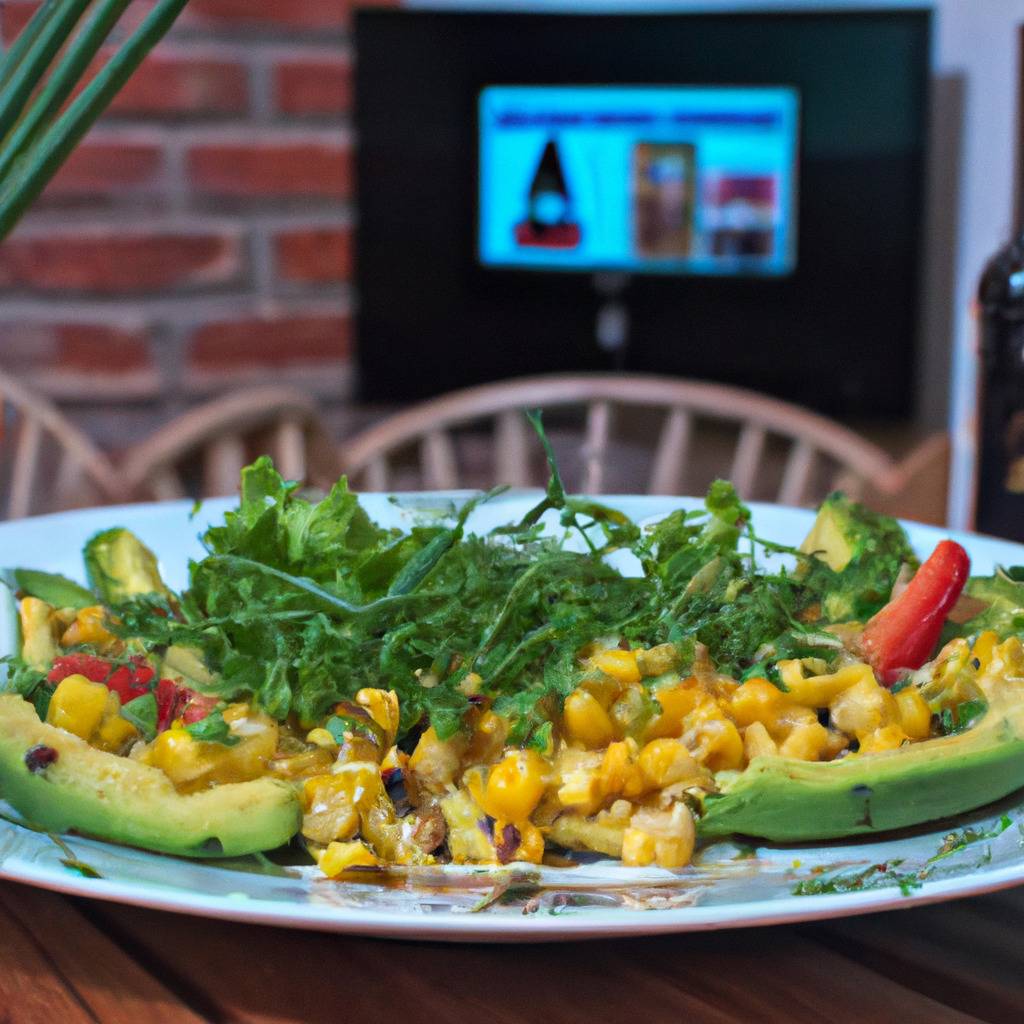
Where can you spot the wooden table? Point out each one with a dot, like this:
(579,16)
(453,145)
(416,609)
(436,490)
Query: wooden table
(66,961)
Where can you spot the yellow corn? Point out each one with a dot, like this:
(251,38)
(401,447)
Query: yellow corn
(114,732)
(332,802)
(757,700)
(665,838)
(863,708)
(984,647)
(676,703)
(88,628)
(586,721)
(436,762)
(716,744)
(757,742)
(665,762)
(383,708)
(888,737)
(620,665)
(470,684)
(488,739)
(806,742)
(821,691)
(515,786)
(321,738)
(578,780)
(656,661)
(915,715)
(339,857)
(78,705)
(531,842)
(620,773)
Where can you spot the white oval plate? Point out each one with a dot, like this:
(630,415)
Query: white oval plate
(729,885)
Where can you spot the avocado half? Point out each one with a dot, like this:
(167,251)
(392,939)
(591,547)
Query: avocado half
(118,799)
(786,800)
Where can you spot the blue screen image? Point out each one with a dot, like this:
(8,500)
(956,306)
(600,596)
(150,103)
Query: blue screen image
(640,179)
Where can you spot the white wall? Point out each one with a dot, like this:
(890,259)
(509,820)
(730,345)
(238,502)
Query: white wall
(971,174)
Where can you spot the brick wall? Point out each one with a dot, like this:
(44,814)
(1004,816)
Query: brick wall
(200,236)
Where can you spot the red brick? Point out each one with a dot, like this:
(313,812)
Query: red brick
(314,255)
(105,168)
(172,86)
(275,14)
(91,348)
(270,343)
(321,86)
(265,168)
(109,262)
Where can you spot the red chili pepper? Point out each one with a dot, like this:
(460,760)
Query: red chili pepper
(88,665)
(904,633)
(166,703)
(131,681)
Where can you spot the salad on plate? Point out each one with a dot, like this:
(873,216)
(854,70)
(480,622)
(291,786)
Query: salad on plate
(567,685)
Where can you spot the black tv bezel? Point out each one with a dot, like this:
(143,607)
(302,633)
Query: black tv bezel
(409,348)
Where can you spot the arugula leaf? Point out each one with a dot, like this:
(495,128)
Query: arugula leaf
(962,717)
(212,729)
(54,589)
(142,713)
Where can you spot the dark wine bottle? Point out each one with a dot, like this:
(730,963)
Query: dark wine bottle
(999,503)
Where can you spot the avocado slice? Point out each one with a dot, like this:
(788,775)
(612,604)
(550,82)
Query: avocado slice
(120,566)
(125,801)
(786,800)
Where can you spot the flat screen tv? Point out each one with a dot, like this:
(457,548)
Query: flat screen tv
(739,195)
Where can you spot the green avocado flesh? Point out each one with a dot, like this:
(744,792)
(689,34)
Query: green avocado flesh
(115,798)
(786,800)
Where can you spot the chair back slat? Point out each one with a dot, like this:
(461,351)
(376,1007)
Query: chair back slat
(747,459)
(668,473)
(797,474)
(377,476)
(26,464)
(437,453)
(166,485)
(681,457)
(289,448)
(512,449)
(595,444)
(223,462)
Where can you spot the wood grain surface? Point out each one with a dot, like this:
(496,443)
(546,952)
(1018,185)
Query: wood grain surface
(66,961)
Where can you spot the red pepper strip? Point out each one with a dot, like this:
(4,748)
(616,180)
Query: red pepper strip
(904,633)
(88,665)
(129,682)
(166,703)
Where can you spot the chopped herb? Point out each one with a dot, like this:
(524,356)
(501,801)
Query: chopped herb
(212,729)
(875,876)
(954,842)
(142,713)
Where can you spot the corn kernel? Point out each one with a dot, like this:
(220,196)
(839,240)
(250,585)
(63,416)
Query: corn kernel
(716,744)
(656,661)
(984,647)
(578,780)
(88,628)
(757,700)
(114,732)
(757,742)
(806,742)
(888,737)
(863,708)
(383,708)
(676,703)
(915,715)
(586,721)
(665,762)
(470,684)
(339,857)
(488,739)
(620,774)
(821,691)
(78,705)
(620,665)
(663,837)
(436,762)
(321,738)
(530,847)
(515,786)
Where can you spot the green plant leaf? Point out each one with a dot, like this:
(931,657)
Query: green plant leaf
(54,589)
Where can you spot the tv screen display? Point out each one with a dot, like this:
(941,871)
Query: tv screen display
(643,179)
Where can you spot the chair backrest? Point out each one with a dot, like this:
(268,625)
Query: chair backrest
(46,463)
(202,452)
(769,448)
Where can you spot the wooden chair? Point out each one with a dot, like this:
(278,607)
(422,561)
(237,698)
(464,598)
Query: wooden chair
(770,449)
(46,463)
(201,453)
